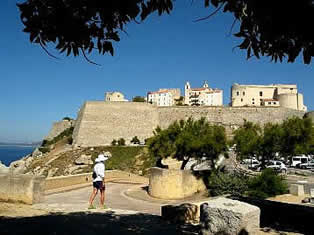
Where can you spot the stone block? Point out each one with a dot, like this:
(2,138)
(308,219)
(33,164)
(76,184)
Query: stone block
(27,189)
(229,217)
(296,189)
(312,192)
(184,213)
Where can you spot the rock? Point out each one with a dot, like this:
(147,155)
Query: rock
(37,153)
(28,161)
(172,163)
(306,200)
(18,167)
(72,169)
(296,189)
(229,217)
(91,149)
(84,160)
(52,172)
(107,154)
(184,213)
(4,169)
(51,147)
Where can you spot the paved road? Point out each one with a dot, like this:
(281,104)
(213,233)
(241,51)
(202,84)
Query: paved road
(77,200)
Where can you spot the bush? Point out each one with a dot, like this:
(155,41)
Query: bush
(114,143)
(121,142)
(70,140)
(220,183)
(67,119)
(268,184)
(44,149)
(135,140)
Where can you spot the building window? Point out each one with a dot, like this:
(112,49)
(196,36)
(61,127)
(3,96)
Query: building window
(241,100)
(291,89)
(253,103)
(243,93)
(260,93)
(253,99)
(238,93)
(274,102)
(269,102)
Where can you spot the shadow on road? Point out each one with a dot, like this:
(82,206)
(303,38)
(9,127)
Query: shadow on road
(86,223)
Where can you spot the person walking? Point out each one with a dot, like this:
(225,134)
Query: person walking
(98,182)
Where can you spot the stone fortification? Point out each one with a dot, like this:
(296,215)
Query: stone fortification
(98,123)
(58,127)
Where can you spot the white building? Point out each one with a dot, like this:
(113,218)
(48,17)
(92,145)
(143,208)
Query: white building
(114,96)
(273,95)
(163,97)
(204,96)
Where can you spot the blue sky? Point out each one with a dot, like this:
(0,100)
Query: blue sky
(167,51)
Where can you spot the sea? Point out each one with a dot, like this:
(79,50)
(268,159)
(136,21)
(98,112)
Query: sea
(12,153)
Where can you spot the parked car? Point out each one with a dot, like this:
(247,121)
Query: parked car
(276,165)
(309,165)
(299,160)
(254,164)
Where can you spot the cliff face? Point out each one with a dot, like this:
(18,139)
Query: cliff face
(98,123)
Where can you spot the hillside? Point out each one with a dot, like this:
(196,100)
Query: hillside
(60,159)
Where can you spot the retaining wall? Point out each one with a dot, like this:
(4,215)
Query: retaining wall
(54,183)
(21,188)
(173,184)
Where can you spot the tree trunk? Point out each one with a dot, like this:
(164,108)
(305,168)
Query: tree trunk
(184,163)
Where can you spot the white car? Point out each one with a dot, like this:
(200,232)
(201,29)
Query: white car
(277,165)
(309,165)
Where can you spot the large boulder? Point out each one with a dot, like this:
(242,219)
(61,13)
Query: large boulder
(37,153)
(229,217)
(84,160)
(18,167)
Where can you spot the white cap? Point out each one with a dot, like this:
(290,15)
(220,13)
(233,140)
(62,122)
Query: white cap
(101,158)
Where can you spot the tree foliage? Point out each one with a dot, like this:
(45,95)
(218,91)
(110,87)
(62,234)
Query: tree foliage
(138,99)
(247,140)
(135,140)
(189,139)
(292,137)
(277,29)
(268,184)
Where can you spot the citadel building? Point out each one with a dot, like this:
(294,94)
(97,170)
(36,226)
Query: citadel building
(204,96)
(114,96)
(273,95)
(163,97)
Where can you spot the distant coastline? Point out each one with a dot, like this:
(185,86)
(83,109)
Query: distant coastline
(3,144)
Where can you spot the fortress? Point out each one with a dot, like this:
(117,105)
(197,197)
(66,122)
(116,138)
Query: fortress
(99,122)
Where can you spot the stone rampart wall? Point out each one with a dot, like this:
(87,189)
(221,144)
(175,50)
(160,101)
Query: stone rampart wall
(21,188)
(58,127)
(101,122)
(98,122)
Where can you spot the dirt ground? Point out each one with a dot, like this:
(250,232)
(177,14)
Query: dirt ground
(21,219)
(289,198)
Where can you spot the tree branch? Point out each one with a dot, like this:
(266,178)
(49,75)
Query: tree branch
(86,58)
(48,53)
(207,17)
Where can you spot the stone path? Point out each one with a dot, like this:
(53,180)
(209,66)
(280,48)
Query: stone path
(77,200)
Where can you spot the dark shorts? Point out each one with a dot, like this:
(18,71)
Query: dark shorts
(99,185)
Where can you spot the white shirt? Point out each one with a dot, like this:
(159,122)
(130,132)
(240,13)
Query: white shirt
(99,169)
